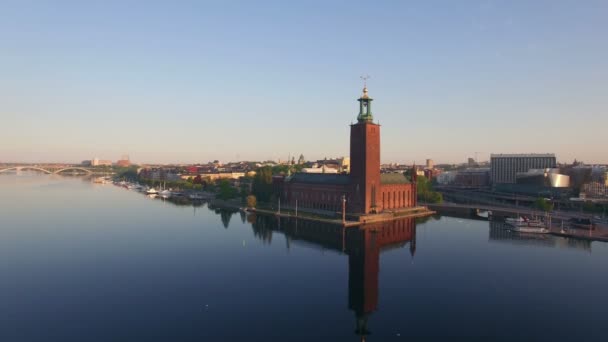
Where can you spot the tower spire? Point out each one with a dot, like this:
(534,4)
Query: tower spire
(365,103)
(365,78)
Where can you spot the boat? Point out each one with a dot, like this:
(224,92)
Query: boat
(196,197)
(535,230)
(485,214)
(526,225)
(524,222)
(165,193)
(133,186)
(151,191)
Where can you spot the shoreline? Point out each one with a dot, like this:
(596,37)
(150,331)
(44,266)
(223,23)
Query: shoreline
(363,220)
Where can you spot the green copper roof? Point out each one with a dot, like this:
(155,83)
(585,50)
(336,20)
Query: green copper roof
(393,178)
(365,107)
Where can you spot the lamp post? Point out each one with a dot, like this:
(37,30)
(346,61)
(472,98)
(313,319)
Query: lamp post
(344,209)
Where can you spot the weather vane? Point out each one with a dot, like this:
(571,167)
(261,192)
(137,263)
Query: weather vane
(365,78)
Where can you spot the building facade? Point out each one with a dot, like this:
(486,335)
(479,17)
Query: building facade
(100,162)
(474,178)
(365,190)
(505,167)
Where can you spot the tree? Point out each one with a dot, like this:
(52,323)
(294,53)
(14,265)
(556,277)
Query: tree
(543,204)
(408,174)
(425,191)
(262,184)
(301,160)
(128,173)
(435,197)
(226,191)
(280,169)
(251,201)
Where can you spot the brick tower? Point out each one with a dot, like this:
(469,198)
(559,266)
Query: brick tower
(365,159)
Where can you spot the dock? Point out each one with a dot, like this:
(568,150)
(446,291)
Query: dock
(599,233)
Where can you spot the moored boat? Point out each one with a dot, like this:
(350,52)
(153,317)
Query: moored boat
(535,230)
(196,197)
(524,222)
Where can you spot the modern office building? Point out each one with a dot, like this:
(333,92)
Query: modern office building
(505,167)
(474,177)
(544,177)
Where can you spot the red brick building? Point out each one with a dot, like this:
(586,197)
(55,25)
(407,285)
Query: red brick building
(365,189)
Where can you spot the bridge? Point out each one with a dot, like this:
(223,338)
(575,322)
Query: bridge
(47,171)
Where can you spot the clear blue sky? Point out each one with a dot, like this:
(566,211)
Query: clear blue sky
(181,81)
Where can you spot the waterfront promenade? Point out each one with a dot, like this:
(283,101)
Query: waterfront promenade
(455,208)
(350,221)
(598,233)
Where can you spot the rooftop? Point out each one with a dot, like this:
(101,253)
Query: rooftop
(320,178)
(393,178)
(520,155)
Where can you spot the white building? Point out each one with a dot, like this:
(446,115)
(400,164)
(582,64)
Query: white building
(99,162)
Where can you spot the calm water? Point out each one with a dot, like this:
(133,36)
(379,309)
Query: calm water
(87,262)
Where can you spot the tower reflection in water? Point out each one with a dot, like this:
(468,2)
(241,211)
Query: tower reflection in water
(363,246)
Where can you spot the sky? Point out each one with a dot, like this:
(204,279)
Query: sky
(193,81)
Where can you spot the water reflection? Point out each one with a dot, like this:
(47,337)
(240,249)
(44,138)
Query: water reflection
(363,246)
(80,259)
(500,232)
(224,213)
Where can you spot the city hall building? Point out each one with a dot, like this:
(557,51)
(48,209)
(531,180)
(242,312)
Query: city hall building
(365,190)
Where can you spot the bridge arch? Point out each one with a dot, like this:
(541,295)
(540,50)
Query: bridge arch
(75,169)
(20,168)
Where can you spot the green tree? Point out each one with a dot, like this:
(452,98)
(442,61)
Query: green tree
(128,173)
(262,184)
(280,169)
(426,192)
(543,204)
(435,197)
(226,191)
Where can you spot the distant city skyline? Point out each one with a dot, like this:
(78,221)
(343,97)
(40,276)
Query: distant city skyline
(194,82)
